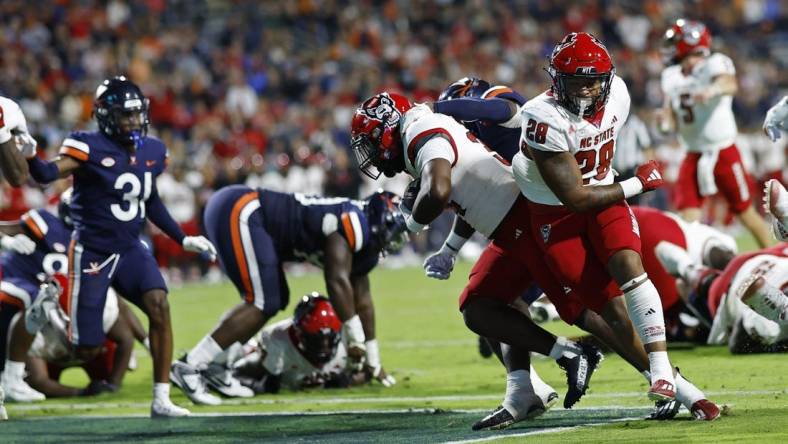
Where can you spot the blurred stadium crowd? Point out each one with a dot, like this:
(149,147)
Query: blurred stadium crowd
(262,92)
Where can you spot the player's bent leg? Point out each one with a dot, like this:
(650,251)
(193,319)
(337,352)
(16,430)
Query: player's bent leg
(157,308)
(645,310)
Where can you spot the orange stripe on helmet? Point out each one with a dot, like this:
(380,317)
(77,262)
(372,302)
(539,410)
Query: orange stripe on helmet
(238,247)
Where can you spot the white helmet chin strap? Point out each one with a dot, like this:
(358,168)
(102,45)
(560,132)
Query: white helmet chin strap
(582,104)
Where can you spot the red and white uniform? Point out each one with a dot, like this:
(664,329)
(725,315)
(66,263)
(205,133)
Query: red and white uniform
(482,187)
(547,126)
(563,236)
(696,238)
(708,132)
(283,357)
(486,196)
(725,295)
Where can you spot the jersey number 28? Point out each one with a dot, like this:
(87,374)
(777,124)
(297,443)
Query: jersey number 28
(134,198)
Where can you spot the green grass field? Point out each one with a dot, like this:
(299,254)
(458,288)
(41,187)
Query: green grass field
(443,387)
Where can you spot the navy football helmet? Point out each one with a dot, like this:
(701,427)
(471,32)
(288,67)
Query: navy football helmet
(121,111)
(386,222)
(465,87)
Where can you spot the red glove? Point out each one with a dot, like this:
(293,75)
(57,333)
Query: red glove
(649,175)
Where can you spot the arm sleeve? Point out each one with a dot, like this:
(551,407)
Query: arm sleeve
(43,171)
(158,214)
(472,108)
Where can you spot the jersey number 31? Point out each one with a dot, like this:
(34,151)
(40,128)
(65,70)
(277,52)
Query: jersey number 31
(134,196)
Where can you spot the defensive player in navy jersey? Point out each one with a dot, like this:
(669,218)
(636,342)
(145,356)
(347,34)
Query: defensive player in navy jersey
(255,231)
(19,289)
(114,171)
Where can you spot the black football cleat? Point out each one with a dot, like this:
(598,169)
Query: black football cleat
(500,418)
(665,410)
(578,372)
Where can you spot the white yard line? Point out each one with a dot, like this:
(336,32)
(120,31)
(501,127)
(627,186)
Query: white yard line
(541,431)
(360,400)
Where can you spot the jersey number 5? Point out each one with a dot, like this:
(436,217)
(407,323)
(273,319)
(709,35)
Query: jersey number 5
(133,199)
(587,161)
(685,102)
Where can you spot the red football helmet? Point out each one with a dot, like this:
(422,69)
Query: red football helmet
(317,328)
(579,65)
(375,136)
(683,38)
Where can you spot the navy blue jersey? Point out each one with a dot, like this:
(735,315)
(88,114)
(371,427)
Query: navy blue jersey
(51,236)
(111,188)
(504,141)
(300,224)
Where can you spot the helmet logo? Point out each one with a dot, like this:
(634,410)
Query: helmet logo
(381,108)
(585,70)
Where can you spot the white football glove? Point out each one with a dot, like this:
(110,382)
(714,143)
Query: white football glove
(776,119)
(199,244)
(439,265)
(18,243)
(26,144)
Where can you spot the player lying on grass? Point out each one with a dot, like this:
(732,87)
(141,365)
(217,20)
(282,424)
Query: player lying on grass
(483,117)
(255,232)
(114,171)
(745,303)
(297,353)
(51,352)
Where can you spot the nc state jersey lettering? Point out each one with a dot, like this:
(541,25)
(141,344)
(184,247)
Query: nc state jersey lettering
(547,126)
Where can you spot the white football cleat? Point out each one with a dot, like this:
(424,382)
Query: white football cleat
(164,408)
(775,202)
(16,389)
(3,413)
(191,382)
(221,379)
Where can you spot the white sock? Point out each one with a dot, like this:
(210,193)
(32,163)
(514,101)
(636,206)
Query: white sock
(519,393)
(373,353)
(686,392)
(203,353)
(541,388)
(146,343)
(660,367)
(645,310)
(15,370)
(564,347)
(161,390)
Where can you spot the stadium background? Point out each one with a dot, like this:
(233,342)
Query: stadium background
(262,93)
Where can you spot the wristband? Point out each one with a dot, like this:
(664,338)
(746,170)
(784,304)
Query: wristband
(412,225)
(453,244)
(353,331)
(632,187)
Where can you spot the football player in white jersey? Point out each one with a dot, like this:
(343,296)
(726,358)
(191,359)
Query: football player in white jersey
(304,351)
(390,135)
(579,217)
(13,138)
(698,90)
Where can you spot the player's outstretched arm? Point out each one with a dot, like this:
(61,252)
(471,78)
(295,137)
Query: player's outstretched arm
(12,164)
(14,138)
(38,377)
(45,171)
(469,109)
(562,174)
